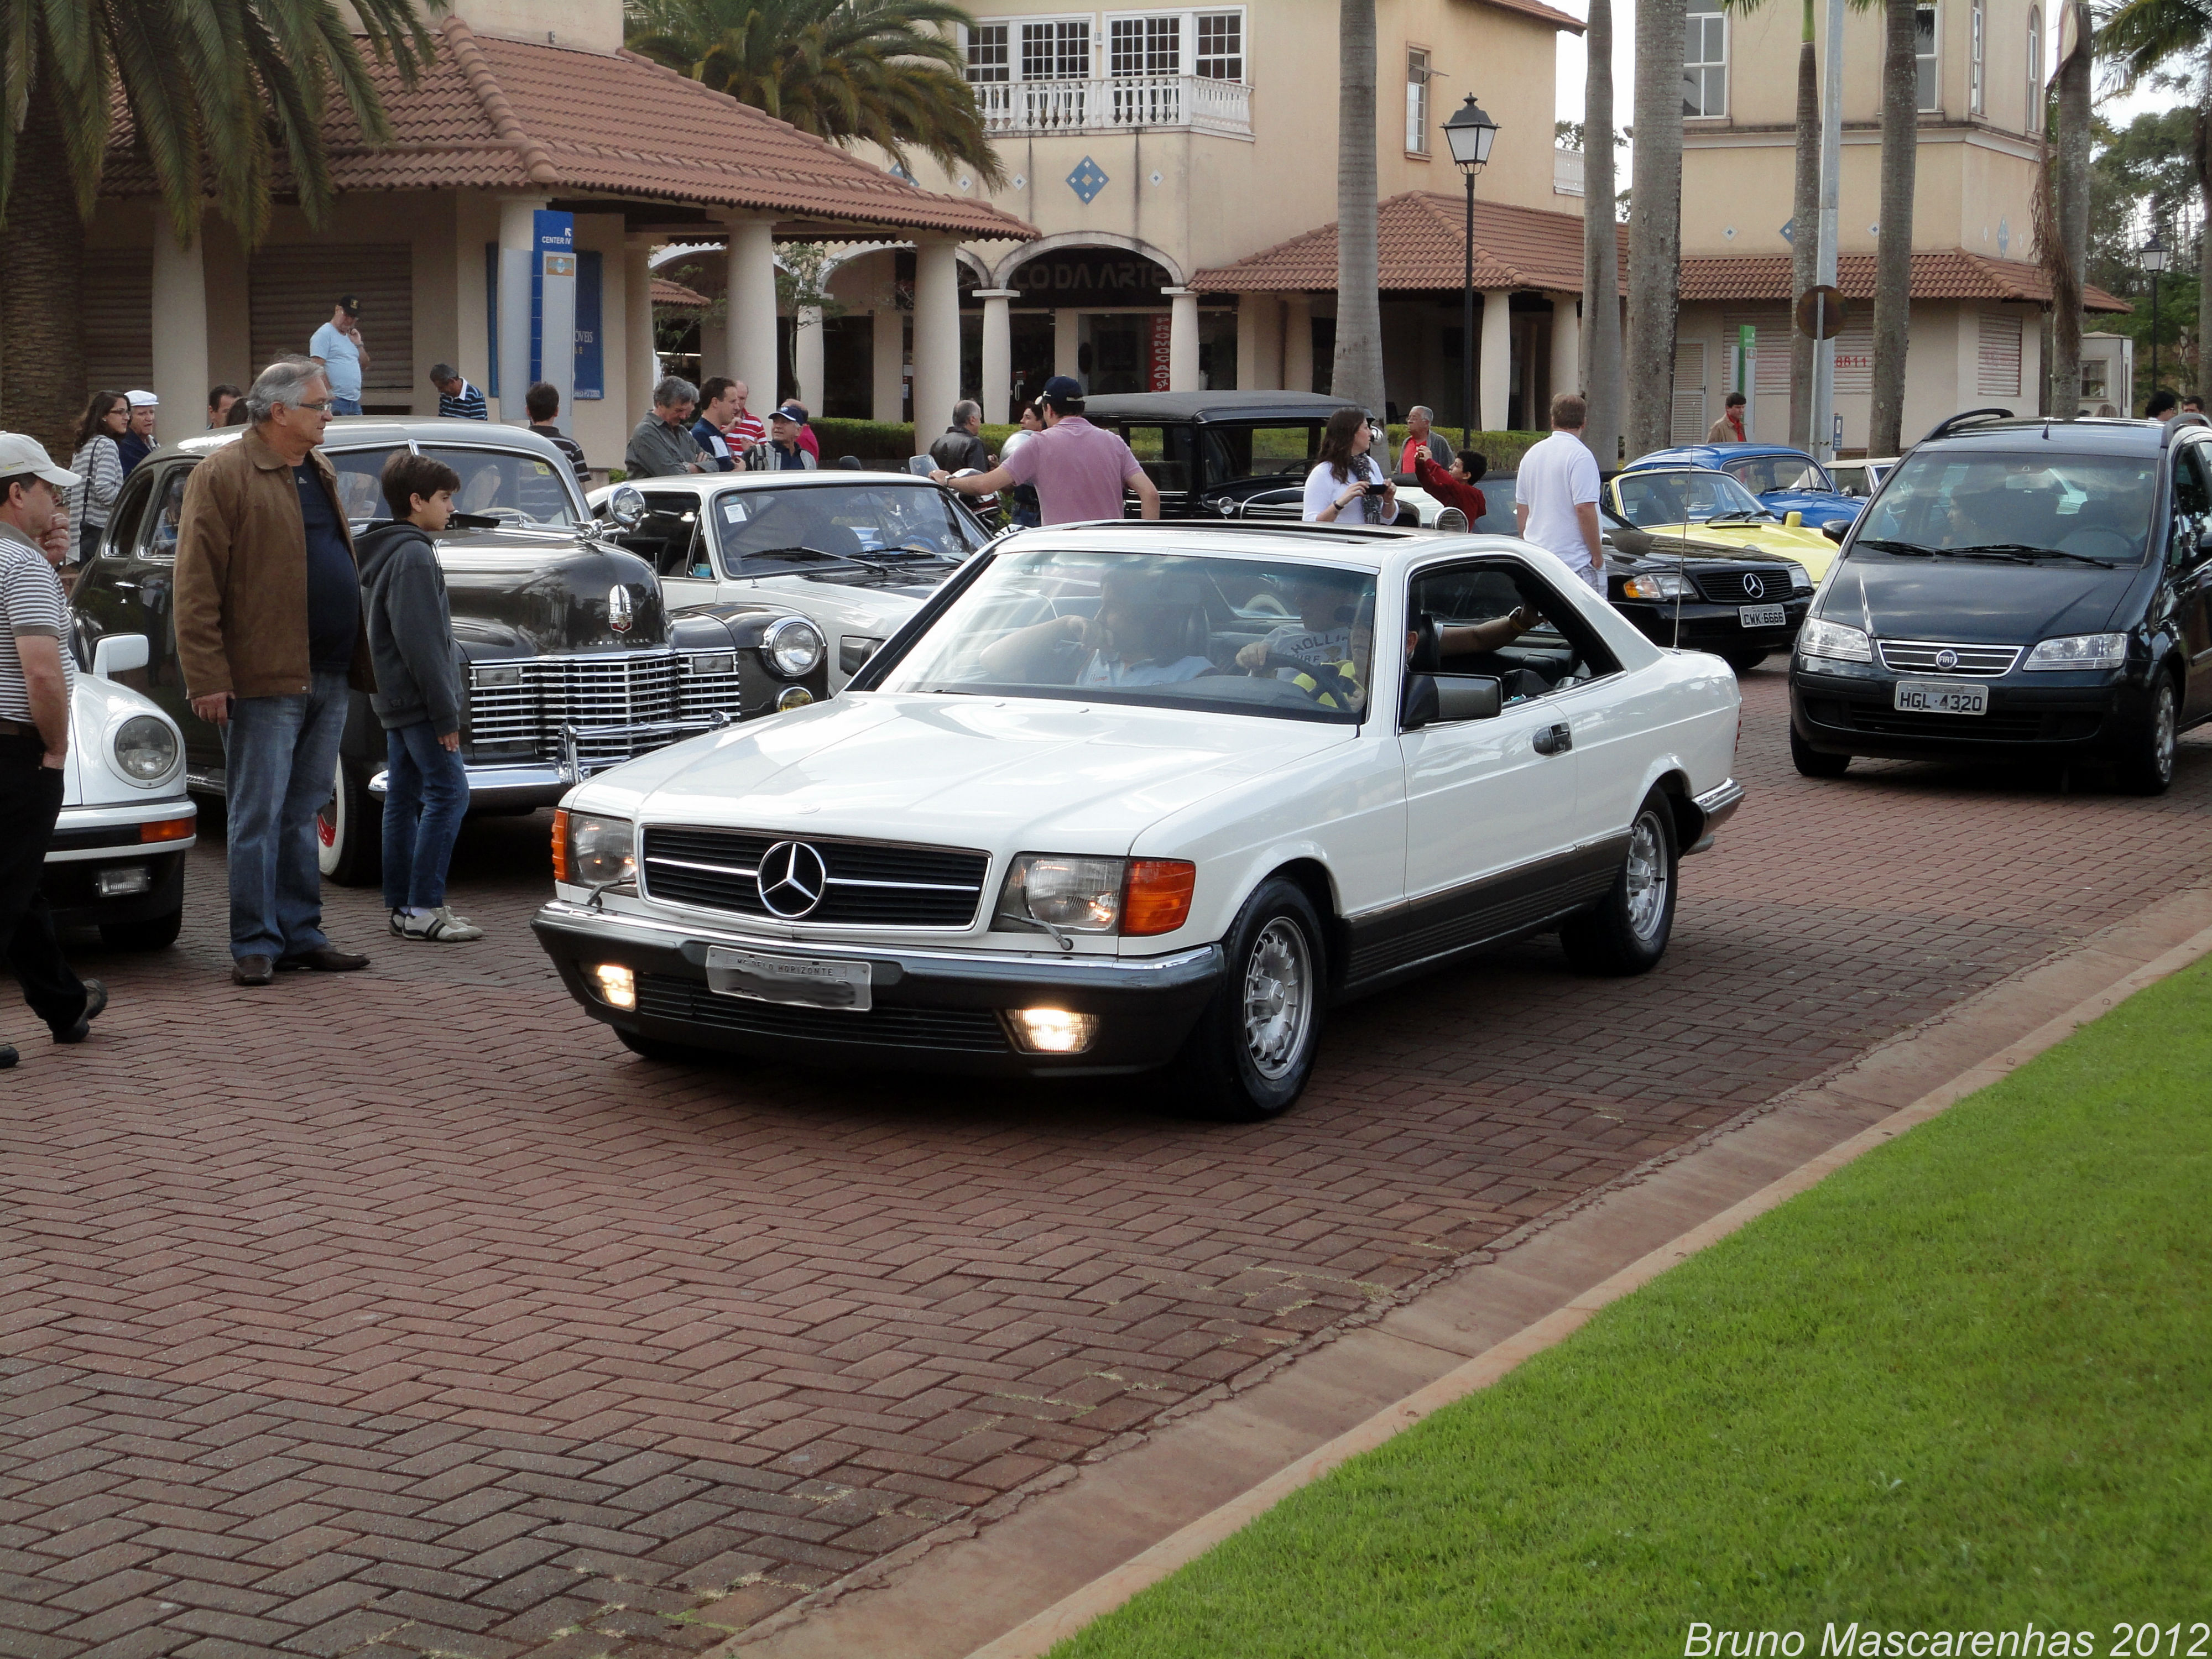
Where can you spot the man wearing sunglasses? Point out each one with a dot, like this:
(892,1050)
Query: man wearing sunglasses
(270,638)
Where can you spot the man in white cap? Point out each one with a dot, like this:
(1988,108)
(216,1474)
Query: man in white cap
(37,679)
(137,443)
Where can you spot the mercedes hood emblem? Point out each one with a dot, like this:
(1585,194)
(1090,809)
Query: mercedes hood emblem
(792,878)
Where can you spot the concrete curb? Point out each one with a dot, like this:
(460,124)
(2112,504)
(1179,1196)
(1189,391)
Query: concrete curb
(1036,1635)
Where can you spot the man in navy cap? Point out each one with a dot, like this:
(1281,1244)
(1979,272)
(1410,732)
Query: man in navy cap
(782,452)
(1079,469)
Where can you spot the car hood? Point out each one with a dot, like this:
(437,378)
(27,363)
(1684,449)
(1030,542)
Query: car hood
(1973,602)
(1003,774)
(1818,506)
(1806,547)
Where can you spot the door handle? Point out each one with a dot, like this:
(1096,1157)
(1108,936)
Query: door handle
(1554,739)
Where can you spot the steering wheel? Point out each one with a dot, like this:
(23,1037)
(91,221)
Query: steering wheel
(1328,680)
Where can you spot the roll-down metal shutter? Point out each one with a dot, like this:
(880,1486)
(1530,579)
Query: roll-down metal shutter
(294,289)
(1998,374)
(116,308)
(1688,426)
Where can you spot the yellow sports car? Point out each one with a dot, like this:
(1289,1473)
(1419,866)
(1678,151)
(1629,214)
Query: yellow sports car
(1711,509)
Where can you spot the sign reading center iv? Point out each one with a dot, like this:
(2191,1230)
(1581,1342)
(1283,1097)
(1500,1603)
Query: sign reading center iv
(538,306)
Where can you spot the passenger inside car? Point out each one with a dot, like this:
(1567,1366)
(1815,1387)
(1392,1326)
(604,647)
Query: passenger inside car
(1499,621)
(1148,630)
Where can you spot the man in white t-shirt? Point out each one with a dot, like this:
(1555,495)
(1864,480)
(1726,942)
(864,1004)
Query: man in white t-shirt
(1557,491)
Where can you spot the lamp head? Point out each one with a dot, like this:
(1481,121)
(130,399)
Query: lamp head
(2155,255)
(1470,133)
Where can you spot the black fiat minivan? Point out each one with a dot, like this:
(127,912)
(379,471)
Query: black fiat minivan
(2019,590)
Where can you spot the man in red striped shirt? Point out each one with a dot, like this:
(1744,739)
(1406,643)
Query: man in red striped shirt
(748,428)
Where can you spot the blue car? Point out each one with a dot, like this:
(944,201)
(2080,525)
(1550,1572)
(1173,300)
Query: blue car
(1786,480)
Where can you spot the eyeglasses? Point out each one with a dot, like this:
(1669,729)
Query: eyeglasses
(322,408)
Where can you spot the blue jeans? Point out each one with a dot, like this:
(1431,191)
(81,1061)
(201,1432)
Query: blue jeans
(281,756)
(345,405)
(426,792)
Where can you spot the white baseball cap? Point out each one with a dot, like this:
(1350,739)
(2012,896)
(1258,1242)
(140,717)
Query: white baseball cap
(141,400)
(20,453)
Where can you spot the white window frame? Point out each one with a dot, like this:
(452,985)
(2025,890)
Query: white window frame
(1011,44)
(1187,54)
(1017,58)
(1244,76)
(1934,75)
(1703,8)
(1977,58)
(1417,75)
(1185,44)
(2035,87)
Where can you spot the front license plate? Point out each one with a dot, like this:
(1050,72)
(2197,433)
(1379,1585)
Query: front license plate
(1942,698)
(809,981)
(1761,616)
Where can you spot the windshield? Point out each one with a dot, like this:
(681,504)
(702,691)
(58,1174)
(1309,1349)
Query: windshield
(1244,636)
(1649,498)
(1760,473)
(2095,507)
(361,482)
(904,524)
(519,489)
(1251,451)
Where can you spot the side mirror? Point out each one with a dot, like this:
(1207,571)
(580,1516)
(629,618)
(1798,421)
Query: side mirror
(625,507)
(1835,530)
(1437,699)
(922,466)
(1794,518)
(118,654)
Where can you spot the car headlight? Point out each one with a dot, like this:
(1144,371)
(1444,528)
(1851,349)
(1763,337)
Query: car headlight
(1660,584)
(1826,639)
(1072,894)
(793,647)
(144,748)
(591,851)
(1800,580)
(2079,651)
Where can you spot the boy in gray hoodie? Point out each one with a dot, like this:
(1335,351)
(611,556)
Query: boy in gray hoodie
(418,697)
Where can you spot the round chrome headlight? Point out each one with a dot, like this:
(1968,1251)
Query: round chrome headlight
(145,749)
(793,647)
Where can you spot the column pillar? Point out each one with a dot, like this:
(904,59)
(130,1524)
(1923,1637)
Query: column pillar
(1182,338)
(936,336)
(807,357)
(752,325)
(1297,343)
(889,323)
(997,394)
(1258,344)
(641,361)
(1493,370)
(518,252)
(180,333)
(1566,354)
(1066,358)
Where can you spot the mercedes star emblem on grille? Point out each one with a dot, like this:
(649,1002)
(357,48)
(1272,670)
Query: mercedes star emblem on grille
(1946,658)
(792,879)
(619,613)
(1754,585)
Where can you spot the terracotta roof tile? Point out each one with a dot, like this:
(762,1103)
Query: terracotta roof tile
(1549,13)
(490,113)
(668,293)
(1421,246)
(1938,274)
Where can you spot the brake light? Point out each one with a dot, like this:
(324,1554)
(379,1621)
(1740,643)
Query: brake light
(166,829)
(561,844)
(1156,897)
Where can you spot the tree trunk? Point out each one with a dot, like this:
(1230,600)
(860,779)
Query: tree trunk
(1356,376)
(42,390)
(2204,234)
(1804,231)
(2070,206)
(1655,230)
(1892,266)
(1601,330)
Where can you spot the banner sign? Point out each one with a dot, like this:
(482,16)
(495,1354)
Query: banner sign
(1155,356)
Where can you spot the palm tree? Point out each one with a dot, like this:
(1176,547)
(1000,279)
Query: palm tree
(214,91)
(1892,261)
(885,72)
(1600,341)
(1655,230)
(1356,374)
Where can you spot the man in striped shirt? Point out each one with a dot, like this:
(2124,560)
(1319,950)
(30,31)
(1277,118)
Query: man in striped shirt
(748,428)
(457,399)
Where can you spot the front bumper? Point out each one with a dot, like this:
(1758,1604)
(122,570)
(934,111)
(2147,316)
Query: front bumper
(934,1010)
(1849,709)
(1716,627)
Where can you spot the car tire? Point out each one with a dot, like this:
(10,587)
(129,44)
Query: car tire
(154,933)
(646,1047)
(1249,1055)
(349,830)
(1744,661)
(1627,931)
(1811,763)
(2146,766)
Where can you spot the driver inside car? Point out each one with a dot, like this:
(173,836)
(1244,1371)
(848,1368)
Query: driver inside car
(1149,630)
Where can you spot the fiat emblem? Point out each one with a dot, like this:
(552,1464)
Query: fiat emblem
(1946,658)
(1754,585)
(620,612)
(792,878)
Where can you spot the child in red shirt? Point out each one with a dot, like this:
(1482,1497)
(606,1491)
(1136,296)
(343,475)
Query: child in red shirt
(1452,488)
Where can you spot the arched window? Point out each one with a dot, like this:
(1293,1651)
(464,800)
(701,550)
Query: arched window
(2034,123)
(1976,103)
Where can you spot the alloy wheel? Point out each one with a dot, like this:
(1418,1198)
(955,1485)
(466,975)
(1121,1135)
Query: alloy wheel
(1648,876)
(2163,734)
(1278,993)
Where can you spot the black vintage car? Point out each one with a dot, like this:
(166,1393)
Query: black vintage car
(1208,452)
(571,662)
(2019,590)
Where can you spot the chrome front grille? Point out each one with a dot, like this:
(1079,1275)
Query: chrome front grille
(1925,657)
(1735,586)
(881,883)
(593,711)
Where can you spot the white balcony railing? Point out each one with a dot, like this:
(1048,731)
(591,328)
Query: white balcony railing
(1115,103)
(1566,172)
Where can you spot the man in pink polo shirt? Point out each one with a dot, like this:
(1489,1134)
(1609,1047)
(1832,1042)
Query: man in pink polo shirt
(1079,469)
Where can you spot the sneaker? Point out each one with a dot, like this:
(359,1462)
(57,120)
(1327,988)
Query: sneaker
(397,924)
(440,925)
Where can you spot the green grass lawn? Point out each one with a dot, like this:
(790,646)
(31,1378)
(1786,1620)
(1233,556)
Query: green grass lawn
(1961,1385)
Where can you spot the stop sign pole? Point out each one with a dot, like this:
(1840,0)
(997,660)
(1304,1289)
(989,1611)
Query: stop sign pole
(1832,157)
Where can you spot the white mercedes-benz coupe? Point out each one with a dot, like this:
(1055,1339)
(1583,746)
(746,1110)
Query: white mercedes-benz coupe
(1127,796)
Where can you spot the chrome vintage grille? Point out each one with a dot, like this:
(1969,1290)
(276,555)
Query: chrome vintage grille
(610,707)
(865,882)
(1924,657)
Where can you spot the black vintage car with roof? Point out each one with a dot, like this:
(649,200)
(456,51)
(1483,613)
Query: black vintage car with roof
(1207,451)
(571,662)
(2019,589)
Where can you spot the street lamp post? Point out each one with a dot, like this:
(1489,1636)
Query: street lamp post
(2154,261)
(1470,133)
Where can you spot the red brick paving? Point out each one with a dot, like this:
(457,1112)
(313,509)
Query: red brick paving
(405,1313)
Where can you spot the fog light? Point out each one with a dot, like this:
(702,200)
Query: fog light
(121,884)
(793,696)
(1053,1031)
(617,984)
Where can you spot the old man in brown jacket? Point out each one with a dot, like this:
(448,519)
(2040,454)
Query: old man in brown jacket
(270,638)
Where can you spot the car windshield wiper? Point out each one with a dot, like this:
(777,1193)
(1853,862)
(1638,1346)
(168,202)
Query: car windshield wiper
(915,552)
(1740,517)
(2025,551)
(1882,546)
(799,550)
(1992,554)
